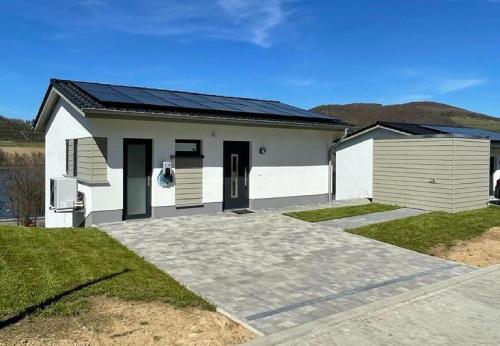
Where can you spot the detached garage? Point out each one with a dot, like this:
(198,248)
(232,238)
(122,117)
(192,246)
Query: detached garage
(444,173)
(422,166)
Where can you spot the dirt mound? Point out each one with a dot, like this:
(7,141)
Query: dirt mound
(116,322)
(481,251)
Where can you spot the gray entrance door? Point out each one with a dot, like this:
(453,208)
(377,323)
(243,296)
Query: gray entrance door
(236,172)
(137,167)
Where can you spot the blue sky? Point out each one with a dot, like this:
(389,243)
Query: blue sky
(301,52)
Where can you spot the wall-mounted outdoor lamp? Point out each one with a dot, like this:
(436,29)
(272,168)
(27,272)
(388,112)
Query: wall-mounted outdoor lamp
(262,150)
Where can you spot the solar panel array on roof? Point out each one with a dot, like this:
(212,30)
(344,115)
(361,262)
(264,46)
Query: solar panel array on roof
(464,131)
(114,94)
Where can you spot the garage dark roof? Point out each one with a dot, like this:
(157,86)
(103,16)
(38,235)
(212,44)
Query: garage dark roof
(466,131)
(413,129)
(98,96)
(423,129)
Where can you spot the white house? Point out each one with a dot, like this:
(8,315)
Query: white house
(355,154)
(138,152)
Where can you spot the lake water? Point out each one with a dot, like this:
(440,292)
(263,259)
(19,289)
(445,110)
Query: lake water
(4,210)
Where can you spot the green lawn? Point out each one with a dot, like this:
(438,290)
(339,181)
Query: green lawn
(421,233)
(340,212)
(39,264)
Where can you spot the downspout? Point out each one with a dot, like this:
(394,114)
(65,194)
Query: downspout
(331,153)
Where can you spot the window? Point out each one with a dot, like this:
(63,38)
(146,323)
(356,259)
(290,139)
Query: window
(75,157)
(67,156)
(187,147)
(71,157)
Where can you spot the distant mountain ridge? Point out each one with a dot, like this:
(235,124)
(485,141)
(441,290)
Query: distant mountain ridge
(363,114)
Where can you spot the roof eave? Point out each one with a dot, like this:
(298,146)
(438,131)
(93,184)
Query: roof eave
(373,127)
(204,118)
(49,101)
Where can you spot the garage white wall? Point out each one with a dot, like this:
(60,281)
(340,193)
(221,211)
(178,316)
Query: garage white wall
(354,171)
(354,164)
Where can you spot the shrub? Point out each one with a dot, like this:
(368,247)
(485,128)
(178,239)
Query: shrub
(24,183)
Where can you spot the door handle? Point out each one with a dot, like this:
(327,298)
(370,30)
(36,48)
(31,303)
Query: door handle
(246,177)
(149,181)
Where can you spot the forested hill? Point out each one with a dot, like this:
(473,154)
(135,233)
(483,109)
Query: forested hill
(363,114)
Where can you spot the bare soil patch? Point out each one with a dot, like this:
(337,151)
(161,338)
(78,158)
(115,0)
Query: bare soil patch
(481,251)
(112,321)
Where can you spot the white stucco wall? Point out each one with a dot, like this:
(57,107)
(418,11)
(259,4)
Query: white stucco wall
(354,164)
(295,163)
(354,171)
(65,123)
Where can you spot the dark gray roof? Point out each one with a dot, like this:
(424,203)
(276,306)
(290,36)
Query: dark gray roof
(414,129)
(424,129)
(98,96)
(466,131)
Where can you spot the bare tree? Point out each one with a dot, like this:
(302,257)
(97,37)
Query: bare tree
(3,158)
(24,184)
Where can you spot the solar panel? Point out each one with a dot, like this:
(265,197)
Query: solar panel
(112,96)
(164,94)
(218,106)
(184,103)
(271,107)
(465,131)
(251,104)
(222,99)
(207,102)
(192,97)
(106,93)
(244,108)
(142,96)
(274,109)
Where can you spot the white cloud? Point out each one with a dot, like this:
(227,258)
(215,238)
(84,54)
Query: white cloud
(258,17)
(448,85)
(250,21)
(412,98)
(298,82)
(419,83)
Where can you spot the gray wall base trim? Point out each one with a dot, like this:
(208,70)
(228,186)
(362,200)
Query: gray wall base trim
(103,216)
(207,208)
(279,202)
(106,216)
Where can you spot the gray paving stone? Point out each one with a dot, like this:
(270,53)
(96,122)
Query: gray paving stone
(280,270)
(464,310)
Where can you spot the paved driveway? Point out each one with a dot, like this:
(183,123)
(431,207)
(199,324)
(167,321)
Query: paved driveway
(463,310)
(274,272)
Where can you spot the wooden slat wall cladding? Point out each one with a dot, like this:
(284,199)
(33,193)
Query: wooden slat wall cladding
(91,159)
(442,173)
(188,181)
(471,174)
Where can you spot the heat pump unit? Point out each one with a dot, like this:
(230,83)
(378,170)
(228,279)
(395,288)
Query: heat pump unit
(63,193)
